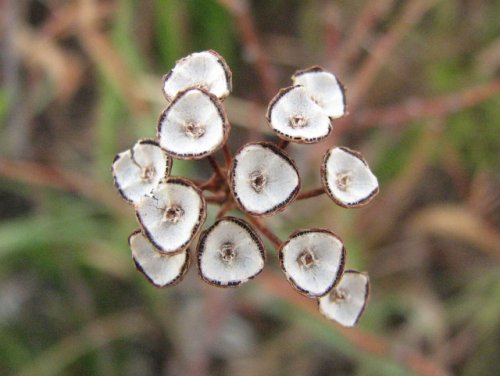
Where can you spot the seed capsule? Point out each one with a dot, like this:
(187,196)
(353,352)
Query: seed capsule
(160,269)
(138,171)
(347,178)
(296,117)
(313,261)
(172,215)
(230,253)
(193,126)
(324,89)
(347,301)
(264,180)
(205,70)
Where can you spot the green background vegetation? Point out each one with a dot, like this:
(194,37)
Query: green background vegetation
(81,81)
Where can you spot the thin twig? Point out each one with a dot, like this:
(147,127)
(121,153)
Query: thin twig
(380,52)
(216,200)
(332,33)
(266,231)
(102,53)
(372,11)
(16,138)
(397,195)
(253,49)
(312,193)
(215,165)
(208,185)
(36,174)
(228,158)
(427,108)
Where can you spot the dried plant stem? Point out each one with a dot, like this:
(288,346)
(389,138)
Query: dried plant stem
(427,108)
(266,231)
(253,49)
(312,193)
(283,144)
(15,139)
(102,53)
(217,169)
(380,52)
(210,184)
(228,158)
(227,206)
(216,199)
(372,11)
(362,340)
(397,195)
(331,29)
(36,174)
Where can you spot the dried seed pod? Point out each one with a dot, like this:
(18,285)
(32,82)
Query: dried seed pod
(296,117)
(160,269)
(313,261)
(139,170)
(230,253)
(193,126)
(172,215)
(263,178)
(347,178)
(347,301)
(324,88)
(206,70)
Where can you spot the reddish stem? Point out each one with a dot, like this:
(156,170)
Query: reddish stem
(215,165)
(210,184)
(412,109)
(266,231)
(382,48)
(312,193)
(217,200)
(228,158)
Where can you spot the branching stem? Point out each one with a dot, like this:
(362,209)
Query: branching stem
(215,165)
(266,231)
(210,184)
(228,158)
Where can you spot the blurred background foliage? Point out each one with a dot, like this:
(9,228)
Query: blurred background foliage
(81,81)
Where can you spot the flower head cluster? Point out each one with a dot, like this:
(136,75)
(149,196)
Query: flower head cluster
(260,180)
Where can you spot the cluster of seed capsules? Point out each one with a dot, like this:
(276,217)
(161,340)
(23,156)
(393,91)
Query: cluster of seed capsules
(260,179)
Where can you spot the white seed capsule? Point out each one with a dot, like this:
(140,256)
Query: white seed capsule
(347,301)
(313,261)
(324,88)
(347,178)
(193,126)
(172,215)
(160,269)
(230,253)
(206,70)
(263,179)
(138,171)
(296,117)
